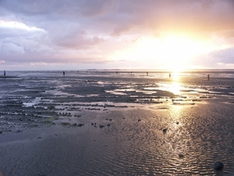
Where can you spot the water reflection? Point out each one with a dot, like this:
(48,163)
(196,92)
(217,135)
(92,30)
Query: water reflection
(176,76)
(175,86)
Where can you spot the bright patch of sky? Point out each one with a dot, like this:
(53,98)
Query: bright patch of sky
(68,34)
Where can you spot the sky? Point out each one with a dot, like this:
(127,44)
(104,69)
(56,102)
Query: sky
(116,34)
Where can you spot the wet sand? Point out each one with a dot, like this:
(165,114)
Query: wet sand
(60,128)
(174,141)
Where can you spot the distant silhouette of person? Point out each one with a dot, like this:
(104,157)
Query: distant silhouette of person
(208,77)
(4,72)
(63,73)
(169,75)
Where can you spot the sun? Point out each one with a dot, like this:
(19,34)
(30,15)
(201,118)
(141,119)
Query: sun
(172,52)
(176,52)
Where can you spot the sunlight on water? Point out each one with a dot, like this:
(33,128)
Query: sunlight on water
(175,88)
(176,76)
(176,110)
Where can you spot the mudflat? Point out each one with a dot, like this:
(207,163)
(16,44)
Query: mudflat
(90,124)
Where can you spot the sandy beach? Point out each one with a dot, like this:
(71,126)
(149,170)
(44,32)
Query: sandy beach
(109,124)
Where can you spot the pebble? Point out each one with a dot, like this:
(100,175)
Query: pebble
(181,156)
(80,125)
(51,107)
(218,166)
(65,123)
(101,126)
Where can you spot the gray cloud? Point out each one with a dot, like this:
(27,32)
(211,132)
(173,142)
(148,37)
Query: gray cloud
(180,11)
(11,48)
(90,8)
(224,56)
(70,28)
(184,15)
(78,41)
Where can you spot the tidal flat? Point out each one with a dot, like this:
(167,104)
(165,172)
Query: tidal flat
(104,123)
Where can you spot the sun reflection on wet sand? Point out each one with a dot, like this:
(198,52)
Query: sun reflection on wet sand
(176,76)
(174,86)
(176,111)
(179,138)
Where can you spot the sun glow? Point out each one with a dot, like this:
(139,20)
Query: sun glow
(174,52)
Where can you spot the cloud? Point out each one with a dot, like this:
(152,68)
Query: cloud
(18,38)
(11,48)
(72,36)
(159,14)
(14,29)
(86,31)
(90,8)
(223,56)
(78,41)
(181,15)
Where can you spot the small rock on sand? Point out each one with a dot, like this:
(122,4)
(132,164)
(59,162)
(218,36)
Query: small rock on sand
(65,123)
(101,126)
(181,156)
(218,166)
(80,125)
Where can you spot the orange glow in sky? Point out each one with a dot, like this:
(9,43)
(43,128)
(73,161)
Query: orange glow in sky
(174,52)
(108,34)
